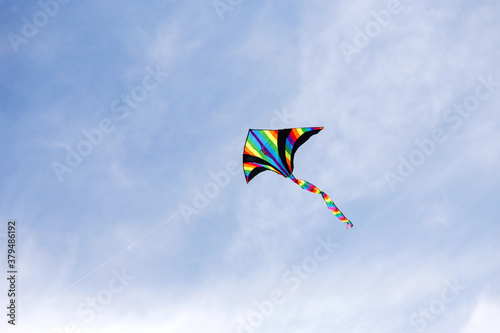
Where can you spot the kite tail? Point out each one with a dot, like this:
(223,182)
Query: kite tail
(329,202)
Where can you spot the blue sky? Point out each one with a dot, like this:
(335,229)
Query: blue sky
(153,227)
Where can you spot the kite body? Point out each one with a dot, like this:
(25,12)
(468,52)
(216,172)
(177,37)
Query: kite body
(274,150)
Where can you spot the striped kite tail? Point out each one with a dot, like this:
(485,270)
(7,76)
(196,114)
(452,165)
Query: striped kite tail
(329,202)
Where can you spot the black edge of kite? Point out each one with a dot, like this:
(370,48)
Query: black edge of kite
(255,172)
(282,136)
(243,164)
(251,158)
(300,141)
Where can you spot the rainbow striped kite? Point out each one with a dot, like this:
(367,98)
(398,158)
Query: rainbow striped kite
(274,150)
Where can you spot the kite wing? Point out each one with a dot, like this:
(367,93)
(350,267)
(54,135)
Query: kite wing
(274,150)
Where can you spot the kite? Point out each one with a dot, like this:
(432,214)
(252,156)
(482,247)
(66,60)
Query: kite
(274,150)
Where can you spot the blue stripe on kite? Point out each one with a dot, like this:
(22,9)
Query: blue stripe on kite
(271,159)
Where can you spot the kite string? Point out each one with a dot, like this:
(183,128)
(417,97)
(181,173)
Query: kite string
(329,202)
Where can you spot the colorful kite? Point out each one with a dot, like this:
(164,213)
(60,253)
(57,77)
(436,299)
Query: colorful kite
(274,150)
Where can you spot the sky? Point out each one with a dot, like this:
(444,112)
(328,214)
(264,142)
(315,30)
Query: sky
(122,128)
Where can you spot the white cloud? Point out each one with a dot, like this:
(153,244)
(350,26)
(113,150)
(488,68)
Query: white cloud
(484,318)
